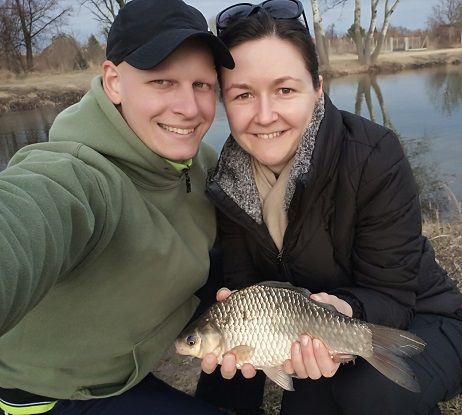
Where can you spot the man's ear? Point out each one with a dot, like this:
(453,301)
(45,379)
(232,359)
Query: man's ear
(111,82)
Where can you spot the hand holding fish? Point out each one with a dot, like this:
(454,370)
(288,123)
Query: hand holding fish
(310,358)
(256,327)
(228,365)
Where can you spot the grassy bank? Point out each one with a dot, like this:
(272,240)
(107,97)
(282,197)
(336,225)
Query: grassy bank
(38,90)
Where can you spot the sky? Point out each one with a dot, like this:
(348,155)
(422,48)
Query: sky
(412,14)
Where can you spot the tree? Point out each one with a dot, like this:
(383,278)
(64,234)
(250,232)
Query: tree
(368,48)
(350,33)
(104,11)
(10,53)
(447,12)
(321,43)
(322,46)
(94,51)
(30,21)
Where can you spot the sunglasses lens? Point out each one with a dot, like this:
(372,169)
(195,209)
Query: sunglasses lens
(283,9)
(235,12)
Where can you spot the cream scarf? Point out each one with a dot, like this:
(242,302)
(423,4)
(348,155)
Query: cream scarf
(272,190)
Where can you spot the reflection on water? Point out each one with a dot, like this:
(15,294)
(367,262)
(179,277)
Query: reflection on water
(423,107)
(444,90)
(18,129)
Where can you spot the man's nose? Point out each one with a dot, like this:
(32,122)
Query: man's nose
(185,102)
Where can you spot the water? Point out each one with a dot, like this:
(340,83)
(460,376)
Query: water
(423,107)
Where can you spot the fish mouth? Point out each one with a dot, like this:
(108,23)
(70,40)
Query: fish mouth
(176,130)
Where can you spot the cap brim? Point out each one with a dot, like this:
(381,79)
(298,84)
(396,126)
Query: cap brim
(154,52)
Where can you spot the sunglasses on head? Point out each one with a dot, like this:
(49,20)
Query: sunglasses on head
(278,9)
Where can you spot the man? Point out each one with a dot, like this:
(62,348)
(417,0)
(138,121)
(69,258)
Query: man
(105,230)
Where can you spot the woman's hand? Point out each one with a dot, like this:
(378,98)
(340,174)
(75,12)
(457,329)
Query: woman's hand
(310,358)
(228,365)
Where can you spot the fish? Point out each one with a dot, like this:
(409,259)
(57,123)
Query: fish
(259,324)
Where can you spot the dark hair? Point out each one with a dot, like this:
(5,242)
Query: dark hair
(262,24)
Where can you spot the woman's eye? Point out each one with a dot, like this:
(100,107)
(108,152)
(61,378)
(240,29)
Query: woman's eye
(285,91)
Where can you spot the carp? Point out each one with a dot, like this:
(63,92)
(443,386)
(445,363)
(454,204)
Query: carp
(258,324)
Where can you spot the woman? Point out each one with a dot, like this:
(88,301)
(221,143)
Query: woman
(326,200)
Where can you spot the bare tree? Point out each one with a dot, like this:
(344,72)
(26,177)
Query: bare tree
(367,46)
(10,51)
(31,20)
(104,11)
(447,12)
(321,43)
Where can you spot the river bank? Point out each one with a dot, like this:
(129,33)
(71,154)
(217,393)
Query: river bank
(49,89)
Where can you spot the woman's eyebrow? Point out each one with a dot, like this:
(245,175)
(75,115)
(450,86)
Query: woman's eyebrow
(238,86)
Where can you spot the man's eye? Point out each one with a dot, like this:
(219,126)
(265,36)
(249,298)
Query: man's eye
(201,85)
(162,82)
(245,95)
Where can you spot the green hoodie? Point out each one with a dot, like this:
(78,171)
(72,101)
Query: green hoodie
(101,250)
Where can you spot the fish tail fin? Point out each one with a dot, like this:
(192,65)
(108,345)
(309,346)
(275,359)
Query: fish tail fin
(389,347)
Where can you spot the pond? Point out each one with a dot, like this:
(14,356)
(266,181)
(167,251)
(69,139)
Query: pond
(423,107)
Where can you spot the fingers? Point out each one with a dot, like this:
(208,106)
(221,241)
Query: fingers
(310,359)
(228,366)
(248,371)
(223,293)
(340,305)
(325,364)
(209,363)
(306,365)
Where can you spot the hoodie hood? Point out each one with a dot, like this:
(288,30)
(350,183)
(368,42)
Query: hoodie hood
(95,122)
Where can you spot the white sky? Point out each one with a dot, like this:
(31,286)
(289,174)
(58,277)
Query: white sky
(412,14)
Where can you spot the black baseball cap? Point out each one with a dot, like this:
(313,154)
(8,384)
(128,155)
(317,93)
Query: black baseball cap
(145,32)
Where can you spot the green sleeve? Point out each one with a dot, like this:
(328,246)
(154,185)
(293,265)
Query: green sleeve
(53,213)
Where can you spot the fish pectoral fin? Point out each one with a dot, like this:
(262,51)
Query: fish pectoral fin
(343,358)
(279,377)
(243,353)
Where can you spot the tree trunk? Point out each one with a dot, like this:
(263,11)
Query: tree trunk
(383,33)
(26,35)
(358,39)
(369,43)
(321,44)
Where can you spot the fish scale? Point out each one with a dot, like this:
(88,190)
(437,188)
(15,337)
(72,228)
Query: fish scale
(259,324)
(272,333)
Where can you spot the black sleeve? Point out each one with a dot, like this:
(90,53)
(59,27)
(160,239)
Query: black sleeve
(388,241)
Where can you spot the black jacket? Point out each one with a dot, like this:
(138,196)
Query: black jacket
(354,224)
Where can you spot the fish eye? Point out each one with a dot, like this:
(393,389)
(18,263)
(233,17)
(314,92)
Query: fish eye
(191,340)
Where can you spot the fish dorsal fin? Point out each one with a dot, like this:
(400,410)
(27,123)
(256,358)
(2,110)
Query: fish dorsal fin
(243,354)
(287,285)
(278,376)
(301,290)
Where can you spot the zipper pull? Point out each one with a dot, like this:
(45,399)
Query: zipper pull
(280,254)
(188,181)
